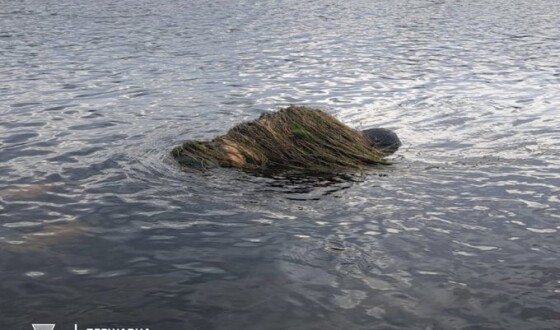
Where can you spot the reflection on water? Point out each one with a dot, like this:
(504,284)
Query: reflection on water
(99,227)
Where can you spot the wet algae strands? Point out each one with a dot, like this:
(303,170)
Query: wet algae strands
(294,138)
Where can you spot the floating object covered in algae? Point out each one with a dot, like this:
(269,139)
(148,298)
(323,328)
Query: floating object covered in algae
(292,139)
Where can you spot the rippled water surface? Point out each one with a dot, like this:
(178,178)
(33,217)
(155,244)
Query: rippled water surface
(99,227)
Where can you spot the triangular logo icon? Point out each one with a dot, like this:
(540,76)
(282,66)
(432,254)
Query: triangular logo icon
(43,326)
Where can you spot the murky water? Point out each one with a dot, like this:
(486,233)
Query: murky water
(99,227)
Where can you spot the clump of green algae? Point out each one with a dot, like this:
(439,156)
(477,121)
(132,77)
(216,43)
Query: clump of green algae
(294,138)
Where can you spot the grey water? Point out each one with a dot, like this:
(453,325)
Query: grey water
(100,228)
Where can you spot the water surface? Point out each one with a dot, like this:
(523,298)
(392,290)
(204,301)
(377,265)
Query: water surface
(99,227)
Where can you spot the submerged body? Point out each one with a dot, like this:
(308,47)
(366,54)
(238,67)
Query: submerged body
(294,138)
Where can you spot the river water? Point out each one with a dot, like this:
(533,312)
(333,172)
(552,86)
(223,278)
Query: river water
(98,226)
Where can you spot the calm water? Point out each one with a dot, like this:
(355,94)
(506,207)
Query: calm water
(99,227)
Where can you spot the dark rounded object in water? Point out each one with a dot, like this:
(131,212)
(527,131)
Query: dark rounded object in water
(383,139)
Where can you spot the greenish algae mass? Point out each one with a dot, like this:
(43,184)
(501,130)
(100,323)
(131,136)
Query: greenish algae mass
(294,138)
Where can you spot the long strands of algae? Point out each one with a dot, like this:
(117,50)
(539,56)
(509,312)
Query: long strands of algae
(295,138)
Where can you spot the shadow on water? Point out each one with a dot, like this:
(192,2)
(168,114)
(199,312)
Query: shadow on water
(313,186)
